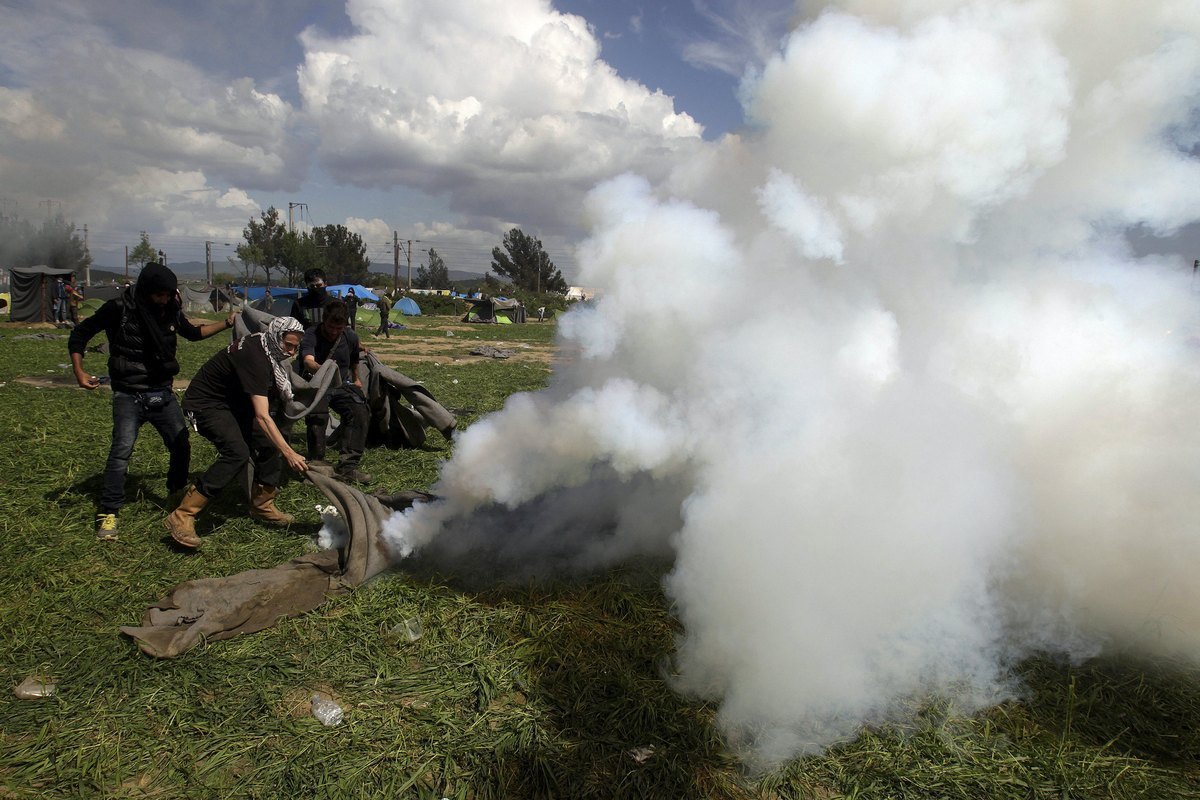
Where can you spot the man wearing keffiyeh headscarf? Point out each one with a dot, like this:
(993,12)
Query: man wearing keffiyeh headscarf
(141,324)
(230,403)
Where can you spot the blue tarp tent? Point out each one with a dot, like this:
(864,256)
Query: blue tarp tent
(253,293)
(281,298)
(361,292)
(408,307)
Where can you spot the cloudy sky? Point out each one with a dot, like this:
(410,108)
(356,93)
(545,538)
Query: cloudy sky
(448,123)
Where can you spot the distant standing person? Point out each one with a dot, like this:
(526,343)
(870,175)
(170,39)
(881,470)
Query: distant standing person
(58,301)
(74,299)
(384,306)
(230,401)
(352,306)
(141,324)
(308,307)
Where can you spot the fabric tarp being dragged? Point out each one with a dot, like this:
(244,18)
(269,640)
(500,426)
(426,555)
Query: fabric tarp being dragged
(213,609)
(206,299)
(401,408)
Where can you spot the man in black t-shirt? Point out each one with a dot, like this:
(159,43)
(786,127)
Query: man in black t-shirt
(331,339)
(229,402)
(309,307)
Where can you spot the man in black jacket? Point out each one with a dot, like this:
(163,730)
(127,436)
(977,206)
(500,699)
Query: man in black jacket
(331,339)
(141,324)
(308,307)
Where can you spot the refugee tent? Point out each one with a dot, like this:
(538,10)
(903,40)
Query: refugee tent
(496,310)
(282,298)
(361,292)
(103,293)
(408,307)
(206,299)
(32,291)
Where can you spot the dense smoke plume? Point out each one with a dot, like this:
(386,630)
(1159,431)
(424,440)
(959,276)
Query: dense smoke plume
(882,375)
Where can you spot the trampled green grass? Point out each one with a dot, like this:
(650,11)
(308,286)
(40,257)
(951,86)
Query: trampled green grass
(512,691)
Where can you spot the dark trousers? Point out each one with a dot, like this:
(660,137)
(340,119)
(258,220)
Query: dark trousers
(383,326)
(130,412)
(238,441)
(351,406)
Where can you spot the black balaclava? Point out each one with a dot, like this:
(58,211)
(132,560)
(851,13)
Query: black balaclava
(155,278)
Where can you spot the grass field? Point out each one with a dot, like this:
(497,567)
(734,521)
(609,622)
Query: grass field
(552,690)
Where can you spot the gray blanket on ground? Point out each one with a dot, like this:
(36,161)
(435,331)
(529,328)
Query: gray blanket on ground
(211,609)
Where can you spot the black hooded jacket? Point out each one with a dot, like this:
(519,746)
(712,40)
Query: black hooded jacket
(141,334)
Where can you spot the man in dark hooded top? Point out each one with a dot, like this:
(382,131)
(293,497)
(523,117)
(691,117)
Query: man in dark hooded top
(309,307)
(141,324)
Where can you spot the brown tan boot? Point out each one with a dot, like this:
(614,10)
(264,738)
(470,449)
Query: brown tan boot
(262,506)
(181,523)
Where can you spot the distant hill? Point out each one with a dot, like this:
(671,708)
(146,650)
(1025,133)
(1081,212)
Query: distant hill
(187,270)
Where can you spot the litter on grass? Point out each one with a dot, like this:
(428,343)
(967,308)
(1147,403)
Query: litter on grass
(641,754)
(327,711)
(35,687)
(410,629)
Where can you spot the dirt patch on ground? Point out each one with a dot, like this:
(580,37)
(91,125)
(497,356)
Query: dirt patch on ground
(37,326)
(68,382)
(448,350)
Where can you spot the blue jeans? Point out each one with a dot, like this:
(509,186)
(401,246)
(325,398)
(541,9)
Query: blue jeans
(130,412)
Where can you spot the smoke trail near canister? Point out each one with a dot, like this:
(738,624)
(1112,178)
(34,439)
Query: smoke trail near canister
(882,375)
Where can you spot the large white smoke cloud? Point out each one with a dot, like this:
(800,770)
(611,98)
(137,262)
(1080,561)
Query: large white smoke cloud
(882,376)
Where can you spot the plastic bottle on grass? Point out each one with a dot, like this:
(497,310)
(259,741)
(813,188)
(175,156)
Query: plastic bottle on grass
(35,687)
(326,711)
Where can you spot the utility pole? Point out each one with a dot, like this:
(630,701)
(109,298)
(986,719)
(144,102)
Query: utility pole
(398,246)
(410,241)
(127,263)
(87,264)
(395,260)
(208,269)
(304,206)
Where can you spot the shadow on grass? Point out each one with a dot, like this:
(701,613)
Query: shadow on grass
(602,719)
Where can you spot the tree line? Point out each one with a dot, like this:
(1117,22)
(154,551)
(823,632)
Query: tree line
(521,263)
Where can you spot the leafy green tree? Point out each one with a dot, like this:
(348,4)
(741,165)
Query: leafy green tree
(343,253)
(143,253)
(526,264)
(244,268)
(434,276)
(300,254)
(264,242)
